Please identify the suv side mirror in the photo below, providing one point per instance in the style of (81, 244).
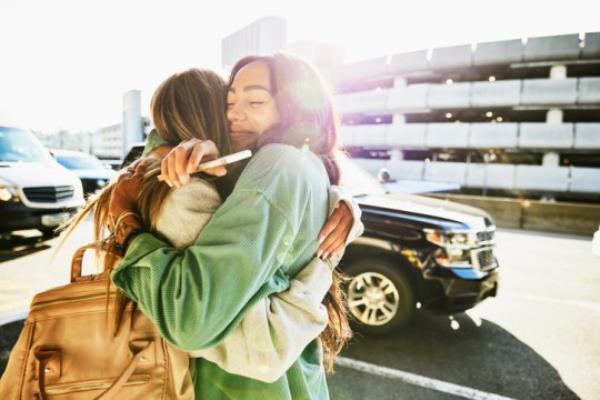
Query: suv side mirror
(384, 176)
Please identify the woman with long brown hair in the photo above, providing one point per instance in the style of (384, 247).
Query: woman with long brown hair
(277, 328)
(263, 234)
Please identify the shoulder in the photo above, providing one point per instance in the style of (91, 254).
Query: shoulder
(196, 195)
(286, 176)
(281, 160)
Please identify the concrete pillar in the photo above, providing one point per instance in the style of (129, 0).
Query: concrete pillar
(551, 159)
(554, 116)
(396, 155)
(133, 130)
(399, 119)
(399, 82)
(558, 72)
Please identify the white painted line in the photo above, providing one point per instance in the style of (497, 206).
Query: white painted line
(595, 307)
(418, 380)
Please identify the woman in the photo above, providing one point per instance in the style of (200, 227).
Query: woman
(275, 330)
(263, 234)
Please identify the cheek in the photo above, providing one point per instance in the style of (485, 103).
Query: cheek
(271, 118)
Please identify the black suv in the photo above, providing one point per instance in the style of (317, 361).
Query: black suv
(416, 252)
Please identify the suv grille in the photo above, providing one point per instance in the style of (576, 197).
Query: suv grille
(486, 259)
(485, 236)
(49, 194)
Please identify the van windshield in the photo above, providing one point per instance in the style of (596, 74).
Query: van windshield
(79, 161)
(18, 145)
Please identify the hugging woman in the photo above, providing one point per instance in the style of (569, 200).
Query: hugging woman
(259, 241)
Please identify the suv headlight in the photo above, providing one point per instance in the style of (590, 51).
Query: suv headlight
(455, 259)
(8, 193)
(451, 240)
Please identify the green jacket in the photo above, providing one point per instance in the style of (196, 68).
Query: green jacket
(263, 234)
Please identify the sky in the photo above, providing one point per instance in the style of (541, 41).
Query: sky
(65, 64)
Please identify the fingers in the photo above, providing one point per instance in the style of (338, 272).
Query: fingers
(140, 168)
(330, 225)
(335, 232)
(184, 159)
(181, 175)
(124, 194)
(217, 171)
(195, 158)
(333, 240)
(336, 248)
(171, 175)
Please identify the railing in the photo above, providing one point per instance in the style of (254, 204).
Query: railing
(526, 135)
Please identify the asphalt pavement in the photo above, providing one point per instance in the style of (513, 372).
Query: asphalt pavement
(539, 339)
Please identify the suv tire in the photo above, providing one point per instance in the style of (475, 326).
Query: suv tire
(391, 297)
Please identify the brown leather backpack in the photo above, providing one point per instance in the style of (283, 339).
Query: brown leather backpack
(67, 349)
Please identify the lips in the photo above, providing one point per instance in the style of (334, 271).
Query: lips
(240, 133)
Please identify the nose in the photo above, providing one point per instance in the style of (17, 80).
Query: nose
(233, 114)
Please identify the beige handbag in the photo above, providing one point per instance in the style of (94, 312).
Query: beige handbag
(67, 349)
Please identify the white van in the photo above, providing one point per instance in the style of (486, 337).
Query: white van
(36, 192)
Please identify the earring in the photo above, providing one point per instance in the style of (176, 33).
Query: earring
(306, 145)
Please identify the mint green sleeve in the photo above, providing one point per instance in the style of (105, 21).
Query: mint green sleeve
(152, 141)
(196, 295)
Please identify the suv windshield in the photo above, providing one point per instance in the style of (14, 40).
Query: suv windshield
(18, 145)
(356, 180)
(76, 161)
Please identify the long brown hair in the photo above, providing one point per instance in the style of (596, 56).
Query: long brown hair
(307, 116)
(189, 104)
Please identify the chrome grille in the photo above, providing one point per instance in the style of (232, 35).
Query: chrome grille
(49, 194)
(484, 259)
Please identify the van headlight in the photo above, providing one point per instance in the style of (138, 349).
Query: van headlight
(78, 189)
(451, 240)
(8, 193)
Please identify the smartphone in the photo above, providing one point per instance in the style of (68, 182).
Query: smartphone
(231, 158)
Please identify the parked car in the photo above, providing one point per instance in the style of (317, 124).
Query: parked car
(133, 154)
(415, 251)
(94, 175)
(36, 192)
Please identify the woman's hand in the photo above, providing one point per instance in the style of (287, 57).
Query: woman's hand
(332, 237)
(184, 159)
(122, 206)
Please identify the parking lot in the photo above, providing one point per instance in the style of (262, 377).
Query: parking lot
(539, 339)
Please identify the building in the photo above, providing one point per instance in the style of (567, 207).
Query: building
(108, 143)
(323, 55)
(264, 36)
(518, 117)
(114, 141)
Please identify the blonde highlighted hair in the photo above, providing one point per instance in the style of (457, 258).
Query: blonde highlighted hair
(187, 105)
(191, 104)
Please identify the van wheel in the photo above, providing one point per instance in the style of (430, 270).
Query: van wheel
(380, 297)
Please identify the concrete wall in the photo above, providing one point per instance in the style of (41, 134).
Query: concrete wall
(573, 218)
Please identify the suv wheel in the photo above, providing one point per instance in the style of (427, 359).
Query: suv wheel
(380, 297)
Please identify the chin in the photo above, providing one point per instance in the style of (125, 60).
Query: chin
(239, 145)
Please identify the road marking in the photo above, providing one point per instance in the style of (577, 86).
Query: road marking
(418, 380)
(576, 303)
